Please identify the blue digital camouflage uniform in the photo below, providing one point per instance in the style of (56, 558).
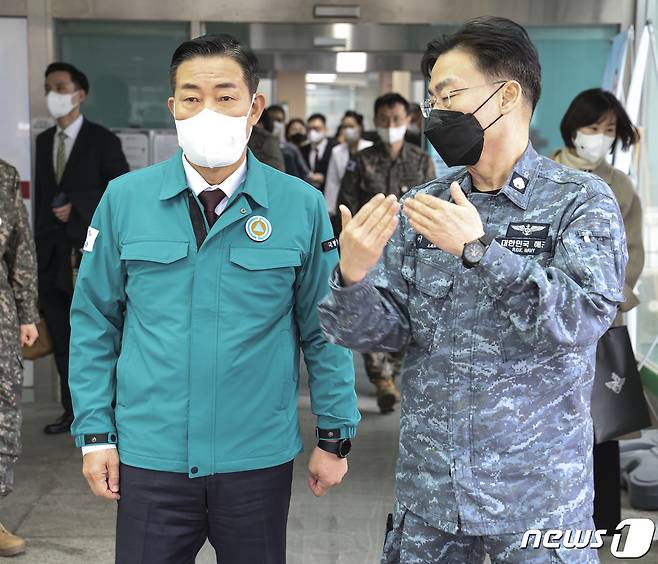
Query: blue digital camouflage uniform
(496, 434)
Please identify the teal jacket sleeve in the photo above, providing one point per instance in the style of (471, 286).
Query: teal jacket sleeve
(96, 326)
(330, 367)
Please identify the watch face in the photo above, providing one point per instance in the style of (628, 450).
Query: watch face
(344, 448)
(473, 252)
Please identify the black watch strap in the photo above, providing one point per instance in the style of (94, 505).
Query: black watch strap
(340, 448)
(330, 434)
(486, 240)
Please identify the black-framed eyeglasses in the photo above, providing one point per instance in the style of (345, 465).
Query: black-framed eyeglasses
(444, 102)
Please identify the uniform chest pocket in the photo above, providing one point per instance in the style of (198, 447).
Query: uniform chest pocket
(429, 308)
(160, 252)
(152, 269)
(255, 259)
(264, 276)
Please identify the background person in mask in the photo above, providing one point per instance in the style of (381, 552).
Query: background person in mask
(342, 157)
(265, 145)
(195, 270)
(278, 116)
(74, 162)
(295, 134)
(415, 129)
(317, 151)
(499, 279)
(594, 124)
(391, 166)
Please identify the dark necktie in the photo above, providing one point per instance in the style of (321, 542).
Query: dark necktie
(210, 200)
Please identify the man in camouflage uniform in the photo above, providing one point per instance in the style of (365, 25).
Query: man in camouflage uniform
(391, 166)
(18, 315)
(496, 435)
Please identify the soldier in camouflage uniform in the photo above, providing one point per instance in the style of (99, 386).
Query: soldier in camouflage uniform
(390, 166)
(496, 434)
(18, 315)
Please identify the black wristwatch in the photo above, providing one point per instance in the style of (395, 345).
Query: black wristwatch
(474, 251)
(340, 448)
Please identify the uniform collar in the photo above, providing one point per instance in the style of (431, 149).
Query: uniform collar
(197, 183)
(255, 185)
(521, 181)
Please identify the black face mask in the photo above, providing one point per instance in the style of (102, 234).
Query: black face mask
(456, 136)
(298, 138)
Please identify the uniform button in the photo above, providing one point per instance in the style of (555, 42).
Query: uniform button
(194, 470)
(243, 211)
(113, 438)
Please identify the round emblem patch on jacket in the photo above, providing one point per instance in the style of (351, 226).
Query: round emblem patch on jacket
(258, 228)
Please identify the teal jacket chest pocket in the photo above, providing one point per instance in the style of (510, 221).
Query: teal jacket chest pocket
(262, 278)
(154, 267)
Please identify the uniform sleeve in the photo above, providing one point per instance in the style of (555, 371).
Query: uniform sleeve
(96, 327)
(22, 262)
(330, 367)
(373, 315)
(332, 185)
(572, 302)
(350, 187)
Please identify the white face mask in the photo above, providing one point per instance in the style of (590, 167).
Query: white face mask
(351, 133)
(390, 135)
(315, 136)
(279, 129)
(211, 140)
(594, 147)
(60, 105)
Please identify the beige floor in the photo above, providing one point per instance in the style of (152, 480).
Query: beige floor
(64, 524)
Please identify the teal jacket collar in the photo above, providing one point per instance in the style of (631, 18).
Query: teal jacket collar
(174, 180)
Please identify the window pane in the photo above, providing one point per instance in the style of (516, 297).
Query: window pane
(128, 68)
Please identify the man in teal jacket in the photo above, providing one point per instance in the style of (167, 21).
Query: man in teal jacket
(199, 283)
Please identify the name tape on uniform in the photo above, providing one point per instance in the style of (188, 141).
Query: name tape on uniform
(330, 245)
(526, 246)
(423, 243)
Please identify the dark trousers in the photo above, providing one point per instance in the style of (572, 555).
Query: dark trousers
(607, 493)
(166, 517)
(56, 306)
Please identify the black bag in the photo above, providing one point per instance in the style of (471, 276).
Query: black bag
(618, 403)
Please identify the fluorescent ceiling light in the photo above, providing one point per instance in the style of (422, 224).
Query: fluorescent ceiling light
(331, 11)
(351, 62)
(321, 77)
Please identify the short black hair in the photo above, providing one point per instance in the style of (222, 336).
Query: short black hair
(292, 122)
(502, 50)
(321, 117)
(277, 108)
(391, 99)
(77, 76)
(356, 116)
(588, 108)
(217, 44)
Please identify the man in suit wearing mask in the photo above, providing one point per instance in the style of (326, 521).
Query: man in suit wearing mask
(75, 160)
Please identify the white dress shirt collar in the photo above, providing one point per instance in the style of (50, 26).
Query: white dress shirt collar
(197, 184)
(73, 129)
